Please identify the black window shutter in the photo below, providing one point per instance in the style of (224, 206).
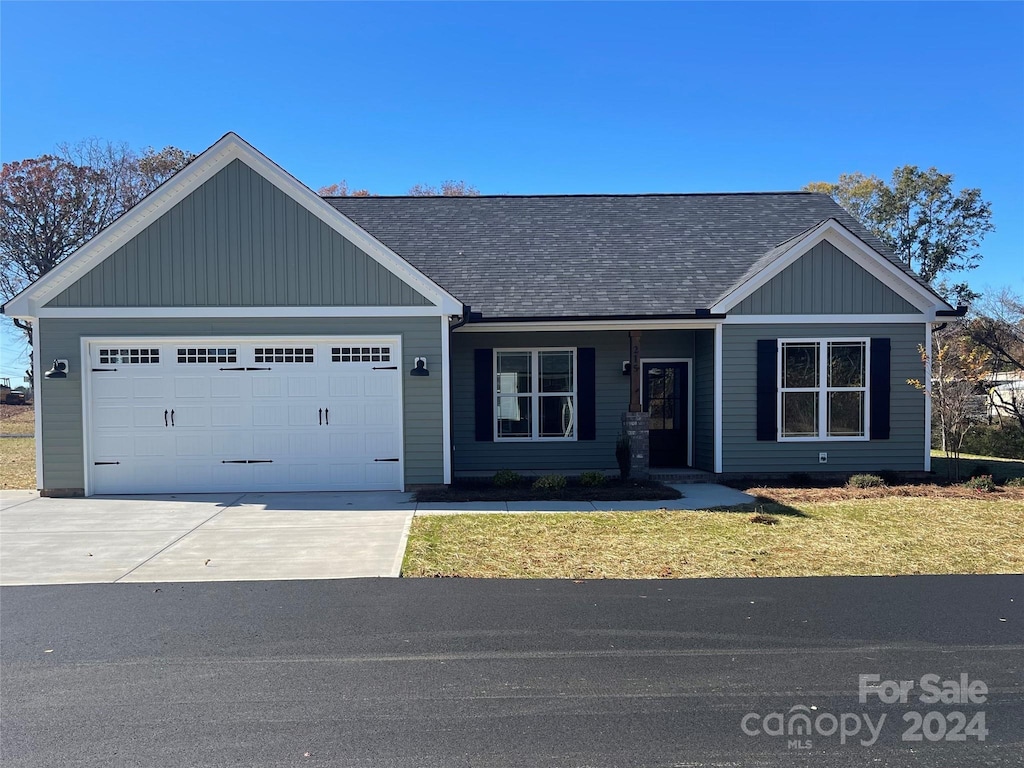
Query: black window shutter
(767, 389)
(880, 389)
(483, 372)
(586, 395)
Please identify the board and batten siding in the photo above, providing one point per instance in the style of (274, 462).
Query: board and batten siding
(62, 428)
(824, 281)
(238, 241)
(612, 390)
(743, 452)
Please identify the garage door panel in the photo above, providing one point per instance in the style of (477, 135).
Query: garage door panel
(310, 423)
(150, 387)
(192, 387)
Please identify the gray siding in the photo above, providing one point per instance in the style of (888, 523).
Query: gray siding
(238, 241)
(742, 452)
(824, 281)
(62, 413)
(612, 348)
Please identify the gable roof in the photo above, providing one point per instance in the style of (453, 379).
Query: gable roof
(515, 257)
(229, 148)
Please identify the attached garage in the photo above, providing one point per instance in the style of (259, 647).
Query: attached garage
(267, 414)
(235, 332)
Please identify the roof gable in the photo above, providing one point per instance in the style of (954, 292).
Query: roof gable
(218, 157)
(238, 241)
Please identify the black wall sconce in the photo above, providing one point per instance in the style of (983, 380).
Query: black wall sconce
(59, 370)
(421, 367)
(627, 368)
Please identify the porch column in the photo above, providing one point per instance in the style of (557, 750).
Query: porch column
(636, 422)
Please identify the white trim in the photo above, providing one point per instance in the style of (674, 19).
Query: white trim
(86, 343)
(853, 248)
(689, 396)
(170, 312)
(719, 383)
(230, 147)
(37, 401)
(928, 398)
(822, 390)
(535, 395)
(589, 325)
(446, 399)
(826, 319)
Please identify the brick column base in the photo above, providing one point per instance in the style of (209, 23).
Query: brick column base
(638, 426)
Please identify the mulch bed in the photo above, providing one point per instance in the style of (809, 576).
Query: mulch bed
(613, 490)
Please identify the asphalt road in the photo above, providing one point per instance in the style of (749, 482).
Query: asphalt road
(506, 673)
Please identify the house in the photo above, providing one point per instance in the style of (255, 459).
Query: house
(234, 331)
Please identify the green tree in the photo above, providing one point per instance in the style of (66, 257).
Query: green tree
(932, 228)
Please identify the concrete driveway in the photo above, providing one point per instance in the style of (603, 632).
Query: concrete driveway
(201, 537)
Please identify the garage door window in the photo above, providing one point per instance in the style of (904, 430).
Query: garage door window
(284, 354)
(129, 356)
(361, 354)
(207, 355)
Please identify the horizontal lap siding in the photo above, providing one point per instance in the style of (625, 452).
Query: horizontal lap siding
(824, 281)
(238, 241)
(742, 451)
(704, 401)
(62, 412)
(611, 348)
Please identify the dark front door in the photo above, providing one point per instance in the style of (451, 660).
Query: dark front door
(666, 398)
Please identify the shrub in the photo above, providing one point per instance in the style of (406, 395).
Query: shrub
(1015, 482)
(1006, 442)
(865, 481)
(506, 478)
(981, 483)
(549, 483)
(624, 456)
(592, 479)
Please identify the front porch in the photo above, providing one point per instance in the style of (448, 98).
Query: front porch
(503, 416)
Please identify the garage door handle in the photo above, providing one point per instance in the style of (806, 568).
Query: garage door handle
(103, 463)
(327, 416)
(385, 367)
(258, 369)
(321, 414)
(386, 459)
(172, 417)
(231, 369)
(165, 418)
(104, 370)
(248, 461)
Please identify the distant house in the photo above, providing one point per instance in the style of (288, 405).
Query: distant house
(234, 331)
(1005, 395)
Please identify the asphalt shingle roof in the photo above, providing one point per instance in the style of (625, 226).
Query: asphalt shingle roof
(592, 255)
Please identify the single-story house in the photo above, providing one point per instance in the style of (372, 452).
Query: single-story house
(235, 331)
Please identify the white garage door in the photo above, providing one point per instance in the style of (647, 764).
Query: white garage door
(244, 415)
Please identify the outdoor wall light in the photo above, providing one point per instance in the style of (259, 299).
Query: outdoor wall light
(59, 370)
(421, 367)
(626, 368)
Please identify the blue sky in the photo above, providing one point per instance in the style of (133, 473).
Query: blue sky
(540, 98)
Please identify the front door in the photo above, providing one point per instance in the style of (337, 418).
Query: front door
(666, 399)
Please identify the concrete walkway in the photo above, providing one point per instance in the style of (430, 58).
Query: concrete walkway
(243, 536)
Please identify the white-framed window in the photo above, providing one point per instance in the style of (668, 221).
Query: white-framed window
(823, 389)
(535, 394)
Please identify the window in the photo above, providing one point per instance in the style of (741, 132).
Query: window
(129, 356)
(823, 390)
(536, 394)
(360, 354)
(207, 355)
(284, 354)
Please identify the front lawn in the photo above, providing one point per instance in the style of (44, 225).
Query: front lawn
(854, 536)
(1000, 469)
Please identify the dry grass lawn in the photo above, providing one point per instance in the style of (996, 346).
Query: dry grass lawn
(17, 419)
(17, 463)
(867, 536)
